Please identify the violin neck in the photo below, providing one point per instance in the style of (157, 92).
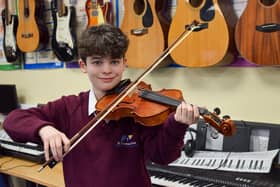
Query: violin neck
(158, 98)
(162, 99)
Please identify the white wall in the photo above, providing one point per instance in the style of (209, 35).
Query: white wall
(243, 93)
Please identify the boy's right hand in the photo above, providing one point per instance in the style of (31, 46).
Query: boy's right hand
(54, 141)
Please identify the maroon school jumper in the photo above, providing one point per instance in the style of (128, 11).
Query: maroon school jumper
(111, 155)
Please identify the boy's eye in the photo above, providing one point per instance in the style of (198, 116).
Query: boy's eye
(115, 61)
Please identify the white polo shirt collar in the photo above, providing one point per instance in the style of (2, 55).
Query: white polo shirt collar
(91, 102)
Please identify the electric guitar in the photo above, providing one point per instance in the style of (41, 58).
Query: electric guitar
(10, 23)
(32, 34)
(107, 11)
(64, 37)
(257, 33)
(202, 48)
(141, 25)
(98, 14)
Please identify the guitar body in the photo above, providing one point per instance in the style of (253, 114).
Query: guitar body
(32, 33)
(107, 12)
(141, 25)
(257, 33)
(11, 50)
(94, 13)
(203, 48)
(64, 37)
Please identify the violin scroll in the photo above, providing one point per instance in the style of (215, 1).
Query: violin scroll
(228, 128)
(225, 125)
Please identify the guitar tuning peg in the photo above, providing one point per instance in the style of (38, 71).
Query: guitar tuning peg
(217, 111)
(225, 117)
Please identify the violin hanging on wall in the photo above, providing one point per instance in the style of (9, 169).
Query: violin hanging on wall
(64, 37)
(141, 25)
(10, 23)
(257, 33)
(32, 33)
(204, 48)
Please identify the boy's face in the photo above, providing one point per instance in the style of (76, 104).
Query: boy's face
(103, 72)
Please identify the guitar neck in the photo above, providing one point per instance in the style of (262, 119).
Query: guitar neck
(26, 8)
(61, 7)
(7, 13)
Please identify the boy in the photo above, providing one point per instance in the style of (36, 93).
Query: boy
(115, 152)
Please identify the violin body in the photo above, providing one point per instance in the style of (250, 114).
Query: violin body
(138, 108)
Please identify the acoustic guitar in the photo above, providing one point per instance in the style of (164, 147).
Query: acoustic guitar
(98, 13)
(141, 25)
(32, 34)
(10, 23)
(257, 33)
(203, 48)
(64, 35)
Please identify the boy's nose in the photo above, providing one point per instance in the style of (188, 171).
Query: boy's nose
(107, 68)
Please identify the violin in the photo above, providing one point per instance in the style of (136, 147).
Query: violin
(116, 101)
(151, 108)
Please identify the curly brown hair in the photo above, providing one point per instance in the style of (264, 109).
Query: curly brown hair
(102, 40)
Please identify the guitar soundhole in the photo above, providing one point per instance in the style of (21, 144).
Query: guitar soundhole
(139, 6)
(268, 2)
(196, 3)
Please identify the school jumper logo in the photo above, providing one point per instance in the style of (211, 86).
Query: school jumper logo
(126, 141)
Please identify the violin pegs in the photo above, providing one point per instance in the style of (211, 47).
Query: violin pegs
(225, 117)
(217, 111)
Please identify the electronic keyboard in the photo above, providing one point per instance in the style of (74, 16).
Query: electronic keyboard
(252, 162)
(175, 176)
(29, 151)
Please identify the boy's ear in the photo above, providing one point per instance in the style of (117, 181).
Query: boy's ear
(82, 66)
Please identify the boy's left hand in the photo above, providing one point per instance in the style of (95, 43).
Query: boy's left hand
(187, 113)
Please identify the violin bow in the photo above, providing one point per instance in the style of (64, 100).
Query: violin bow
(193, 27)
